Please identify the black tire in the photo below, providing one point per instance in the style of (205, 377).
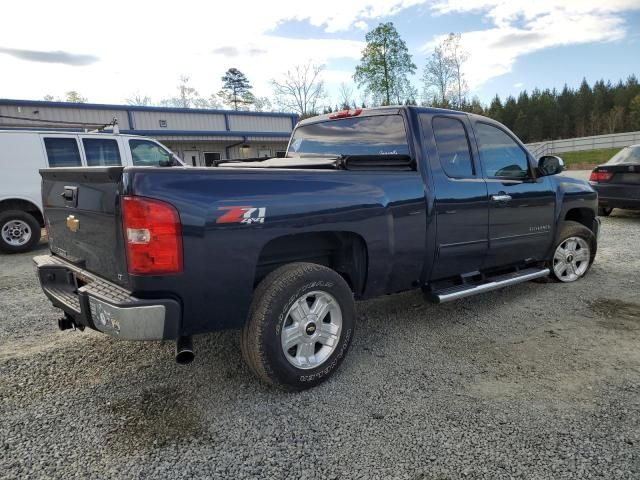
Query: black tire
(260, 339)
(574, 229)
(604, 211)
(33, 224)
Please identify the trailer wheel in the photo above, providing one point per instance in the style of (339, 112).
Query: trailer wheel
(19, 231)
(300, 326)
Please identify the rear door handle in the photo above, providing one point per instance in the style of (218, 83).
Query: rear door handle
(503, 197)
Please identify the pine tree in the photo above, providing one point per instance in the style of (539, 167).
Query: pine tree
(236, 89)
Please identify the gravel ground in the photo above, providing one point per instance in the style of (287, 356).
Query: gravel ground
(539, 380)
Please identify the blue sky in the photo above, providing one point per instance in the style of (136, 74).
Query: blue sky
(513, 44)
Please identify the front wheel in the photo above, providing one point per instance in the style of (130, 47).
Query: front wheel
(300, 326)
(574, 252)
(19, 231)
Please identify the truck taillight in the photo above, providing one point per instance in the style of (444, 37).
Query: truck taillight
(600, 176)
(153, 237)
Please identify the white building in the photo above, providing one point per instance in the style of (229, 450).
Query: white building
(198, 136)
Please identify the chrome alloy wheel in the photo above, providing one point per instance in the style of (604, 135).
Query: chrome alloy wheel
(311, 330)
(16, 233)
(571, 259)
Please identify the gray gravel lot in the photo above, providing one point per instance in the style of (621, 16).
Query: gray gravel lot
(540, 380)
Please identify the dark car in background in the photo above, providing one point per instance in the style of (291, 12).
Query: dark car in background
(618, 181)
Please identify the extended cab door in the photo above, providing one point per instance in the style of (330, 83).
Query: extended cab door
(461, 202)
(522, 205)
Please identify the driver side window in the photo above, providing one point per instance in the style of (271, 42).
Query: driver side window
(500, 155)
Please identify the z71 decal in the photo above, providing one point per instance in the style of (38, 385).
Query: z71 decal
(245, 214)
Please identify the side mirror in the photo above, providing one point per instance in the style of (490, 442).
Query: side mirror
(550, 165)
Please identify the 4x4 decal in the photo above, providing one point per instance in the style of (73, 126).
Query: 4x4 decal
(242, 214)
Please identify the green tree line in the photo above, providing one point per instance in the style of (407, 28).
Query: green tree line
(550, 114)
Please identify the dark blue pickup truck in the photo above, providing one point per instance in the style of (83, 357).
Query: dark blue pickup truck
(365, 203)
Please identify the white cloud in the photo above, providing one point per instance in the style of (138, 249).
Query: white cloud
(526, 26)
(145, 46)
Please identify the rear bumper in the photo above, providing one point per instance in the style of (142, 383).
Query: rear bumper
(104, 306)
(618, 195)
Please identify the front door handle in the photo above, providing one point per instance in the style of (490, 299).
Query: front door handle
(502, 197)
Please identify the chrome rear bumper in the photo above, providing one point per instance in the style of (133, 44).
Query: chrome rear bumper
(104, 306)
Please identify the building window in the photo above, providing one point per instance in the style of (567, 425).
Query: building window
(62, 152)
(211, 159)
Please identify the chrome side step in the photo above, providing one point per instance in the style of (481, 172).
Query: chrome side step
(460, 291)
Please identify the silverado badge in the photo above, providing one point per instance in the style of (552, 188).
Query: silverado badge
(73, 223)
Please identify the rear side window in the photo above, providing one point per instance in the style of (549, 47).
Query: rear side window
(148, 154)
(453, 147)
(101, 152)
(375, 135)
(62, 152)
(500, 155)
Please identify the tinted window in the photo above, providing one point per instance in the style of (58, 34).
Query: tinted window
(453, 147)
(101, 152)
(500, 155)
(377, 135)
(62, 152)
(146, 153)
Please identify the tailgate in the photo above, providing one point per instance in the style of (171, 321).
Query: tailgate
(82, 218)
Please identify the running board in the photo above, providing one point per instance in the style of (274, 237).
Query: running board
(461, 291)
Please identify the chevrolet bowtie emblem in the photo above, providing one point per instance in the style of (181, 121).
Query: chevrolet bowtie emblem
(73, 223)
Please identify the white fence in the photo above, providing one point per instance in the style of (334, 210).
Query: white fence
(584, 143)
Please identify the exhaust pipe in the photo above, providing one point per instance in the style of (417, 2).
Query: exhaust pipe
(184, 350)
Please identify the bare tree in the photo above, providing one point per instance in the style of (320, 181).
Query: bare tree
(444, 73)
(300, 89)
(138, 99)
(614, 118)
(262, 104)
(457, 56)
(439, 75)
(187, 95)
(345, 93)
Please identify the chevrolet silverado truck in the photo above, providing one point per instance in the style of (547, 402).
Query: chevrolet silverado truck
(365, 203)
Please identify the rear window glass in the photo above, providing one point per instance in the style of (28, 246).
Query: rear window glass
(146, 153)
(375, 135)
(626, 155)
(101, 152)
(62, 152)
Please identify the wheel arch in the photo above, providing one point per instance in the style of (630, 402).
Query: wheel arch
(342, 251)
(24, 205)
(582, 215)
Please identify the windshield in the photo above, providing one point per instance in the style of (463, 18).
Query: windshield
(626, 155)
(374, 135)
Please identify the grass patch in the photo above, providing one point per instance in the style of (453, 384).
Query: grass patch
(588, 157)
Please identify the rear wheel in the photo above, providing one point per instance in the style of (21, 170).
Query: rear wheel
(19, 231)
(574, 252)
(300, 326)
(604, 211)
